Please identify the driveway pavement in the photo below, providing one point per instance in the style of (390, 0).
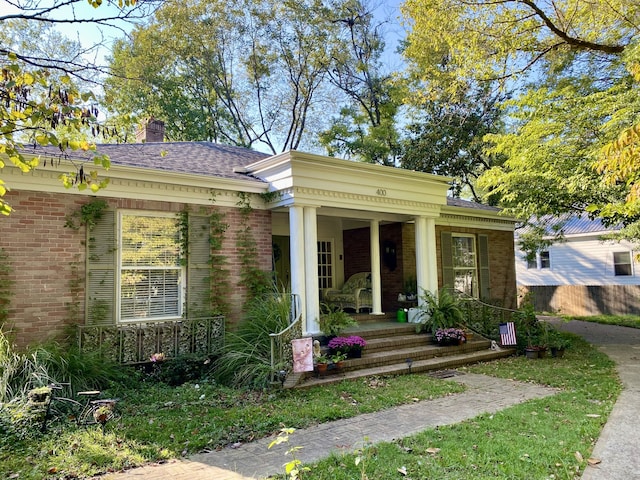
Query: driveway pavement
(618, 447)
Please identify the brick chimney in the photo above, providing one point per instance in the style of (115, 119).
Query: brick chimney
(152, 131)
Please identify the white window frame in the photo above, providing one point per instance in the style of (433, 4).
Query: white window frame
(630, 263)
(546, 253)
(328, 280)
(119, 269)
(457, 268)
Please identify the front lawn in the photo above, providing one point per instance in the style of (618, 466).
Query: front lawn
(160, 422)
(540, 439)
(550, 438)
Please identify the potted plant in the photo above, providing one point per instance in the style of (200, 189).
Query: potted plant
(352, 346)
(322, 363)
(338, 359)
(450, 336)
(333, 320)
(439, 310)
(411, 289)
(558, 343)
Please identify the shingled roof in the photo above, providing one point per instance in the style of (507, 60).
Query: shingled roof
(200, 158)
(458, 202)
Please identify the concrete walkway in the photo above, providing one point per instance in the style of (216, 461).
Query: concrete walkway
(618, 446)
(255, 460)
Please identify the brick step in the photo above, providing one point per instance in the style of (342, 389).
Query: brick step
(417, 366)
(401, 352)
(390, 343)
(380, 329)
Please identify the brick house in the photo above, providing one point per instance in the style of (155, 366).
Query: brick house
(313, 220)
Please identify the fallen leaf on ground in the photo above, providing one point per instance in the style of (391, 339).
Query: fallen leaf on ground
(579, 457)
(402, 470)
(592, 415)
(433, 450)
(593, 461)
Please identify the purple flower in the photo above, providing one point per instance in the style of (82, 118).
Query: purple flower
(345, 344)
(449, 334)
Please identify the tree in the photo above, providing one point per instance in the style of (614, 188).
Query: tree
(570, 61)
(242, 73)
(366, 128)
(446, 139)
(39, 101)
(452, 41)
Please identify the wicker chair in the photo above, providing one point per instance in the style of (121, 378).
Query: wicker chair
(355, 293)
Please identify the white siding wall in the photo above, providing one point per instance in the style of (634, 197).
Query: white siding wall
(583, 260)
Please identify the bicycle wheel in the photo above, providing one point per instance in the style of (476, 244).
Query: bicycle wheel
(98, 412)
(62, 411)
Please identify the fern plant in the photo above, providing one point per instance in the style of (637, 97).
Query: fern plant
(440, 310)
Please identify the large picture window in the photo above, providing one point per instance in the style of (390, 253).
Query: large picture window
(465, 265)
(151, 274)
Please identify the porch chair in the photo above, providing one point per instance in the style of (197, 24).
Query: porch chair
(355, 293)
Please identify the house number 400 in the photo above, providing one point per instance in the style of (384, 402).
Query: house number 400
(382, 192)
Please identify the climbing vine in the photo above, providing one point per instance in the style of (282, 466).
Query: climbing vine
(220, 287)
(217, 292)
(87, 215)
(5, 287)
(254, 279)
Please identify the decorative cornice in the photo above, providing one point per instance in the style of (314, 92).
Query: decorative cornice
(492, 223)
(319, 197)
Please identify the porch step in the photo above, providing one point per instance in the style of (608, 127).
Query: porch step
(426, 365)
(394, 348)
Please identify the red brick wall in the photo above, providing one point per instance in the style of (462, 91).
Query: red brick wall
(46, 258)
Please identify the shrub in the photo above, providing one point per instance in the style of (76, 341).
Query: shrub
(178, 370)
(246, 357)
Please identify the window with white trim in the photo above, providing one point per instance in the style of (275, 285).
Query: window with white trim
(541, 260)
(465, 265)
(545, 259)
(622, 265)
(151, 275)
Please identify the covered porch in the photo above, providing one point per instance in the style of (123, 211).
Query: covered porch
(333, 218)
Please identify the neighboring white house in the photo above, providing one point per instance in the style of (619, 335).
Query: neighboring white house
(582, 274)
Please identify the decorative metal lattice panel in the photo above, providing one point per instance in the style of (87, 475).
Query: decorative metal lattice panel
(136, 343)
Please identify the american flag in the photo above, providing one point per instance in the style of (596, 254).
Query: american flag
(508, 334)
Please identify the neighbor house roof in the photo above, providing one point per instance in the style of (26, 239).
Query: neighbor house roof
(579, 224)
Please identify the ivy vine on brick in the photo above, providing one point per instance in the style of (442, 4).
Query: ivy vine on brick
(252, 277)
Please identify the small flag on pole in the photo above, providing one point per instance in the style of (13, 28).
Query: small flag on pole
(508, 334)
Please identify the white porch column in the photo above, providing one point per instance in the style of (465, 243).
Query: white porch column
(296, 251)
(426, 261)
(376, 282)
(312, 288)
(432, 255)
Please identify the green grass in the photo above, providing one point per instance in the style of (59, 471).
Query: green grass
(632, 321)
(160, 422)
(534, 440)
